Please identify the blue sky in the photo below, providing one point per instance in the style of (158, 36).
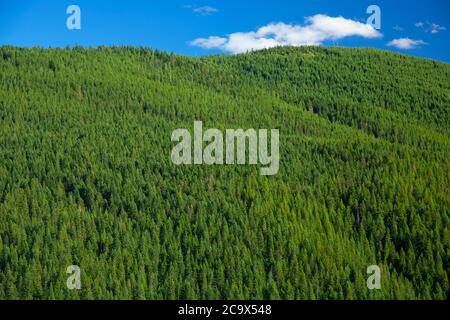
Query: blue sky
(419, 27)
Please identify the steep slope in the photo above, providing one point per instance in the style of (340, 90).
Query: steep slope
(86, 175)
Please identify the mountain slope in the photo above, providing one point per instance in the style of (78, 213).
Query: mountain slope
(87, 179)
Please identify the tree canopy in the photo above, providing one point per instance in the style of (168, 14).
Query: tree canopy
(86, 176)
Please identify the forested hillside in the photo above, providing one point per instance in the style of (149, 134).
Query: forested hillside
(86, 176)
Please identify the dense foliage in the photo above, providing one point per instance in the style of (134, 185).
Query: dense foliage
(86, 176)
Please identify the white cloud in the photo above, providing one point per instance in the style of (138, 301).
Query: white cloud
(317, 29)
(430, 27)
(435, 28)
(398, 28)
(406, 43)
(204, 10)
(210, 43)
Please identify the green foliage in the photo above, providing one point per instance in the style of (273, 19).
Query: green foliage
(86, 176)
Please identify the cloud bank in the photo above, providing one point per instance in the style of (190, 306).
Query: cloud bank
(406, 43)
(317, 29)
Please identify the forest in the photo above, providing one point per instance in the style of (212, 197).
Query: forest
(86, 176)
